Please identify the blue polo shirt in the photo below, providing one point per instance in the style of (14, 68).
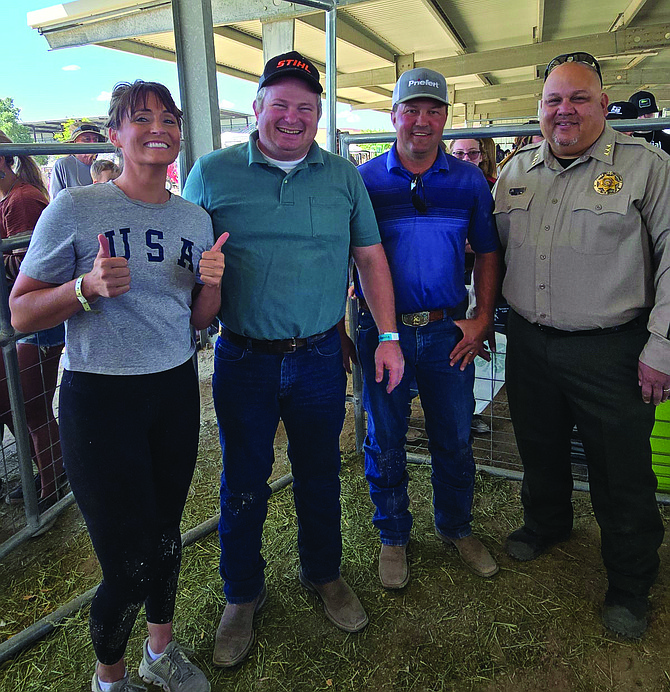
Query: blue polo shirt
(290, 235)
(426, 251)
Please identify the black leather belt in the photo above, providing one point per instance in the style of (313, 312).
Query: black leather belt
(275, 346)
(639, 320)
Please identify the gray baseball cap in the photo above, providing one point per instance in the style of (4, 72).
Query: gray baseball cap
(420, 83)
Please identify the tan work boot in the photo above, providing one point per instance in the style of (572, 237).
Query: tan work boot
(235, 634)
(340, 603)
(393, 567)
(473, 553)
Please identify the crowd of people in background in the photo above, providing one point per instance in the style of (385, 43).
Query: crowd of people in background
(576, 219)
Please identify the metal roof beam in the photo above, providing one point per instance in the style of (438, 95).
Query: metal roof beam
(538, 30)
(656, 37)
(239, 37)
(79, 28)
(440, 15)
(354, 35)
(628, 15)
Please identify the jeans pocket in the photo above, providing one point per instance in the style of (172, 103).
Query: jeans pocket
(227, 351)
(330, 346)
(365, 321)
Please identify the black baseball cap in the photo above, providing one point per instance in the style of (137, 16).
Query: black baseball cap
(621, 110)
(644, 101)
(291, 64)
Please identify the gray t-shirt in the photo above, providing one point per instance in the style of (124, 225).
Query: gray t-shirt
(69, 172)
(147, 329)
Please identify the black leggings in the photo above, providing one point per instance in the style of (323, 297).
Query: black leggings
(130, 444)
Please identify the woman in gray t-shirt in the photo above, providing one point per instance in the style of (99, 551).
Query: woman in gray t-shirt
(130, 268)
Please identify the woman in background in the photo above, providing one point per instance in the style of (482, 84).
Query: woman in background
(23, 198)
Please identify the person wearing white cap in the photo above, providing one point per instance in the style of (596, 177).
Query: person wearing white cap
(427, 204)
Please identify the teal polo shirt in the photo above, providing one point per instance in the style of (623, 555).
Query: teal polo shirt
(290, 234)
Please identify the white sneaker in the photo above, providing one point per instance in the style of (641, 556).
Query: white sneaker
(172, 670)
(122, 685)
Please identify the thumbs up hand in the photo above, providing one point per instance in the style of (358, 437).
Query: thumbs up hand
(110, 276)
(212, 263)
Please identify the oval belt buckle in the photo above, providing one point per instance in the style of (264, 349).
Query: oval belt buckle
(417, 319)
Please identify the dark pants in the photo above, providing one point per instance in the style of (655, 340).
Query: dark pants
(252, 392)
(556, 381)
(130, 444)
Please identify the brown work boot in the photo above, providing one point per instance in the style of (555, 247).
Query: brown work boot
(393, 568)
(340, 603)
(235, 634)
(473, 553)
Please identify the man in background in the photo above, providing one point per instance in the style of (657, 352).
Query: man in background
(75, 170)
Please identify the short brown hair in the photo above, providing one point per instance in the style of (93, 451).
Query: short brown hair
(127, 98)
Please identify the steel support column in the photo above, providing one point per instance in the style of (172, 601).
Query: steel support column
(196, 69)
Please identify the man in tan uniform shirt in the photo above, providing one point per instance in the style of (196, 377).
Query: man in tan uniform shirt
(584, 218)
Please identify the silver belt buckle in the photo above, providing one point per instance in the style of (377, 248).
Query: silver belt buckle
(416, 319)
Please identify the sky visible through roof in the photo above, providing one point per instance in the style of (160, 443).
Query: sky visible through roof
(77, 82)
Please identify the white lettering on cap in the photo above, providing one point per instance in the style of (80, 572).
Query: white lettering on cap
(422, 82)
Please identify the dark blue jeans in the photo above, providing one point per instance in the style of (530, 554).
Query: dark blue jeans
(448, 403)
(252, 392)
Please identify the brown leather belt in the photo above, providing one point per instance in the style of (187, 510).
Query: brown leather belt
(421, 319)
(275, 346)
(417, 319)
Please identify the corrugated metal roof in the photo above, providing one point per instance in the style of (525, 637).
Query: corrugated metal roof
(487, 48)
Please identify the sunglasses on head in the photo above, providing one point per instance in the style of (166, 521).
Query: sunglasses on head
(416, 193)
(583, 58)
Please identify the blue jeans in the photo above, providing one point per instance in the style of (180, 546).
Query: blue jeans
(252, 392)
(448, 403)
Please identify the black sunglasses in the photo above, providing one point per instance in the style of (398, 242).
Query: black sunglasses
(417, 194)
(584, 58)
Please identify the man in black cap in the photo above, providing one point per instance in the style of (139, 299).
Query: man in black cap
(621, 110)
(293, 212)
(645, 103)
(75, 170)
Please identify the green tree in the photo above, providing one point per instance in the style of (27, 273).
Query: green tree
(13, 128)
(68, 126)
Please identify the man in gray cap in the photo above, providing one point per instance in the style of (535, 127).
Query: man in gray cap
(645, 104)
(427, 205)
(75, 170)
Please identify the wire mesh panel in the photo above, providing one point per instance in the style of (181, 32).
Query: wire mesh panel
(38, 366)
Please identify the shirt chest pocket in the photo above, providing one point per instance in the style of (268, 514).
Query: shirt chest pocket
(512, 217)
(597, 223)
(329, 218)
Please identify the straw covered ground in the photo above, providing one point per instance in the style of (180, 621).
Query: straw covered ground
(532, 627)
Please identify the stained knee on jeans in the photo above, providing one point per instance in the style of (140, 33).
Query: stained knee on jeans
(237, 504)
(391, 465)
